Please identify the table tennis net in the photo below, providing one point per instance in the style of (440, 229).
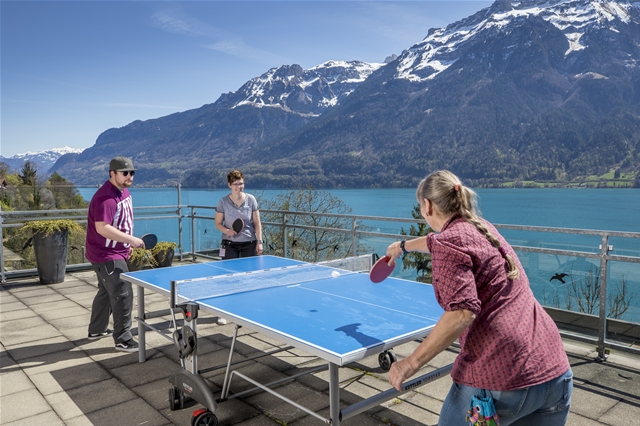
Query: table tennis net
(361, 263)
(222, 285)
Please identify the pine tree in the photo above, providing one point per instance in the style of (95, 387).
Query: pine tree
(421, 262)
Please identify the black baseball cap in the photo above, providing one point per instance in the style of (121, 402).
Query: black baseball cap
(121, 164)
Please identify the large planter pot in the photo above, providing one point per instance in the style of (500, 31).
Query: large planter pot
(51, 256)
(165, 258)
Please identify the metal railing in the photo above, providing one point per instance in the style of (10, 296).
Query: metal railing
(357, 233)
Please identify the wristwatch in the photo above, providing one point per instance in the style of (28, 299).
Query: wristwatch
(404, 250)
(259, 241)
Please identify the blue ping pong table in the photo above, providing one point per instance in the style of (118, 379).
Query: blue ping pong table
(335, 314)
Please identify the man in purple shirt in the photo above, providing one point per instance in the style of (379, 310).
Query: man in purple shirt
(109, 242)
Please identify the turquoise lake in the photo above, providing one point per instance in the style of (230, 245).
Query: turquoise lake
(596, 209)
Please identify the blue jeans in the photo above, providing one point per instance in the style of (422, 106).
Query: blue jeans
(544, 404)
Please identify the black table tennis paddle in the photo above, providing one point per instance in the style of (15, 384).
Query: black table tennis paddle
(149, 240)
(238, 225)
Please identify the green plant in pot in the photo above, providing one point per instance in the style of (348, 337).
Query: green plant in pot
(163, 252)
(141, 259)
(50, 246)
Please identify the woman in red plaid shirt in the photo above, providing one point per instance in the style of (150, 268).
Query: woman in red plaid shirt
(511, 349)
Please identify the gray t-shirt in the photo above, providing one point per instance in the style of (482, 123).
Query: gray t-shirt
(244, 212)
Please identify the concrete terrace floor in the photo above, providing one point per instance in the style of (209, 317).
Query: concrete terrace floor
(50, 374)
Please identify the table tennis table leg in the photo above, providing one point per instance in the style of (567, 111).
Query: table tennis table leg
(334, 394)
(142, 353)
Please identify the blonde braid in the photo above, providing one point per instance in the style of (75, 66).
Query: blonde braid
(445, 190)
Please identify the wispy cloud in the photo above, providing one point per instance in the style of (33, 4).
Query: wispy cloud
(175, 20)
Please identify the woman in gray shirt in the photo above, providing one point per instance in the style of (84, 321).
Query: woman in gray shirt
(239, 205)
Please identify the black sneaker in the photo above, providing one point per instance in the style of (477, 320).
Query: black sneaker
(128, 346)
(94, 336)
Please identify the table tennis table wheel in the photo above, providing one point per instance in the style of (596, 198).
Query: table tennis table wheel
(204, 418)
(385, 359)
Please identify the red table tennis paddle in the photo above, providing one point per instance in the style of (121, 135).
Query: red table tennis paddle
(381, 270)
(149, 240)
(238, 225)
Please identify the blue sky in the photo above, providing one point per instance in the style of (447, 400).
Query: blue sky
(73, 69)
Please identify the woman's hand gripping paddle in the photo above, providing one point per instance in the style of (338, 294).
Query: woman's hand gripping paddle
(149, 240)
(237, 226)
(381, 270)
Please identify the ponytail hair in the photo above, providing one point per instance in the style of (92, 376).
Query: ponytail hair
(446, 192)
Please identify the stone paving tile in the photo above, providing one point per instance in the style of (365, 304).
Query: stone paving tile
(33, 302)
(229, 412)
(130, 412)
(79, 288)
(133, 375)
(14, 406)
(363, 419)
(54, 361)
(17, 325)
(31, 290)
(261, 420)
(92, 397)
(417, 407)
(622, 380)
(584, 403)
(14, 306)
(67, 323)
(67, 312)
(84, 299)
(311, 380)
(70, 378)
(254, 371)
(38, 348)
(78, 335)
(48, 418)
(357, 390)
(622, 413)
(155, 393)
(7, 364)
(578, 420)
(51, 306)
(284, 412)
(14, 382)
(6, 298)
(32, 334)
(15, 314)
(110, 359)
(78, 421)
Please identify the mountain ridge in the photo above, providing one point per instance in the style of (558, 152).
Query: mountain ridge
(523, 89)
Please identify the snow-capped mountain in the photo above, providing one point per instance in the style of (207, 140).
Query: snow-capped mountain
(521, 90)
(43, 159)
(573, 18)
(310, 91)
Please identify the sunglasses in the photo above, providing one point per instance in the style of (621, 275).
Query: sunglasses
(127, 172)
(238, 184)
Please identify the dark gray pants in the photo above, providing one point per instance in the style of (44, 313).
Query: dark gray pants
(114, 296)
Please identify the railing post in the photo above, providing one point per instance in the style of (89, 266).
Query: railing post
(284, 235)
(193, 234)
(602, 323)
(354, 236)
(2, 276)
(180, 220)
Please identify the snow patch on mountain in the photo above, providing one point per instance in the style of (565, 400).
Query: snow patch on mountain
(437, 51)
(308, 92)
(43, 159)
